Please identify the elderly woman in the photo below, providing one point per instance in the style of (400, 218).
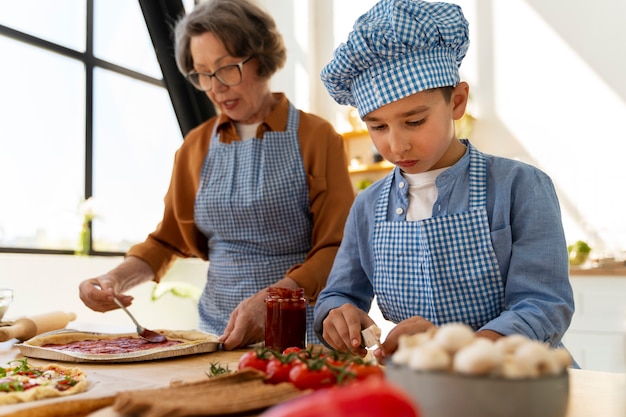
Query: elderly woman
(261, 190)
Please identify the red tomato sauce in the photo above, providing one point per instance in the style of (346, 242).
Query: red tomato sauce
(285, 319)
(111, 346)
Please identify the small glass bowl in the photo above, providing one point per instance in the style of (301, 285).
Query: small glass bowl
(6, 298)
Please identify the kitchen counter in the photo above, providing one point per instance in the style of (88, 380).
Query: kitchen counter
(592, 393)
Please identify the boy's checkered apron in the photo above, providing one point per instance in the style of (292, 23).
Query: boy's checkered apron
(441, 268)
(253, 206)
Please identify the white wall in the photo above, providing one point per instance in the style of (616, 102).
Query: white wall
(46, 283)
(547, 87)
(597, 333)
(550, 91)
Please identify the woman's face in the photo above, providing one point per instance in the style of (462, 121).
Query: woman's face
(417, 132)
(247, 102)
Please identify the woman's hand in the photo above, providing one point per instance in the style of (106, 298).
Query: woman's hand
(342, 328)
(247, 323)
(97, 293)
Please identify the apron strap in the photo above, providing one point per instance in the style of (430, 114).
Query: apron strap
(380, 212)
(477, 178)
(293, 120)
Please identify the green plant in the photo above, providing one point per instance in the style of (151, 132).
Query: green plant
(87, 212)
(578, 252)
(177, 288)
(363, 184)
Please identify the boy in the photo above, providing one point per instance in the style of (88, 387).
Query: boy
(452, 234)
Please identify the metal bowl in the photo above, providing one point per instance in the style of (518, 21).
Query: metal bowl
(443, 394)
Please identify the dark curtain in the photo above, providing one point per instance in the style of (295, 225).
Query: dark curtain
(191, 106)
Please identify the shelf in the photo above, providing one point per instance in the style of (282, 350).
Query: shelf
(361, 154)
(366, 168)
(362, 134)
(617, 269)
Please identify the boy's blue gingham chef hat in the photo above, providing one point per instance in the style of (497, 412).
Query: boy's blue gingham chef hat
(396, 49)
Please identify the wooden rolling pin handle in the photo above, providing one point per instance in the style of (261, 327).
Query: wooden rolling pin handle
(52, 321)
(21, 329)
(28, 327)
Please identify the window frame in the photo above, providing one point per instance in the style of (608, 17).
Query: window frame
(191, 107)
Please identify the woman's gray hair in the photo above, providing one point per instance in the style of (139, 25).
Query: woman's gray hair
(242, 25)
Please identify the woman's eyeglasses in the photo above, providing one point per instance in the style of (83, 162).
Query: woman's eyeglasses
(229, 75)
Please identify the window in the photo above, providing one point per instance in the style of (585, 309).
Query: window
(84, 113)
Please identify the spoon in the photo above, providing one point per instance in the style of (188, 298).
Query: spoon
(149, 335)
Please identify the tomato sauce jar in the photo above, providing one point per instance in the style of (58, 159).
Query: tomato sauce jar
(285, 318)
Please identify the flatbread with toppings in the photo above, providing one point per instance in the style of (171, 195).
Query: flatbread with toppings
(76, 346)
(110, 345)
(21, 381)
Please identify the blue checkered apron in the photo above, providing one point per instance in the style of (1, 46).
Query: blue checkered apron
(253, 207)
(441, 268)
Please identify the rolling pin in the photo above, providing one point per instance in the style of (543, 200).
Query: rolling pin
(27, 327)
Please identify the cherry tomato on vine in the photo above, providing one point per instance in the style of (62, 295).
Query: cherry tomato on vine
(254, 359)
(294, 349)
(364, 370)
(303, 377)
(278, 370)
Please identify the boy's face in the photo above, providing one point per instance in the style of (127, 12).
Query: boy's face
(416, 133)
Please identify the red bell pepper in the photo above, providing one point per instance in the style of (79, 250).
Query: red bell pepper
(372, 397)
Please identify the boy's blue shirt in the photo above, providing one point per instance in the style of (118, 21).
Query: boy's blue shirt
(526, 232)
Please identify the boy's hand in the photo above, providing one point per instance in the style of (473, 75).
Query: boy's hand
(342, 328)
(413, 325)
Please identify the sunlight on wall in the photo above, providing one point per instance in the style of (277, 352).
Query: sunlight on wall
(566, 118)
(537, 90)
(301, 32)
(542, 78)
(344, 15)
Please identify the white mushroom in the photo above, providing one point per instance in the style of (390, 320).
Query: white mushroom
(413, 340)
(509, 344)
(371, 336)
(563, 357)
(511, 369)
(536, 359)
(406, 344)
(429, 357)
(454, 336)
(403, 353)
(401, 356)
(455, 347)
(479, 358)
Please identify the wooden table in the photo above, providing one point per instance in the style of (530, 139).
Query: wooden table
(592, 393)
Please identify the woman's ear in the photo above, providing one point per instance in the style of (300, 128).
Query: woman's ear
(459, 98)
